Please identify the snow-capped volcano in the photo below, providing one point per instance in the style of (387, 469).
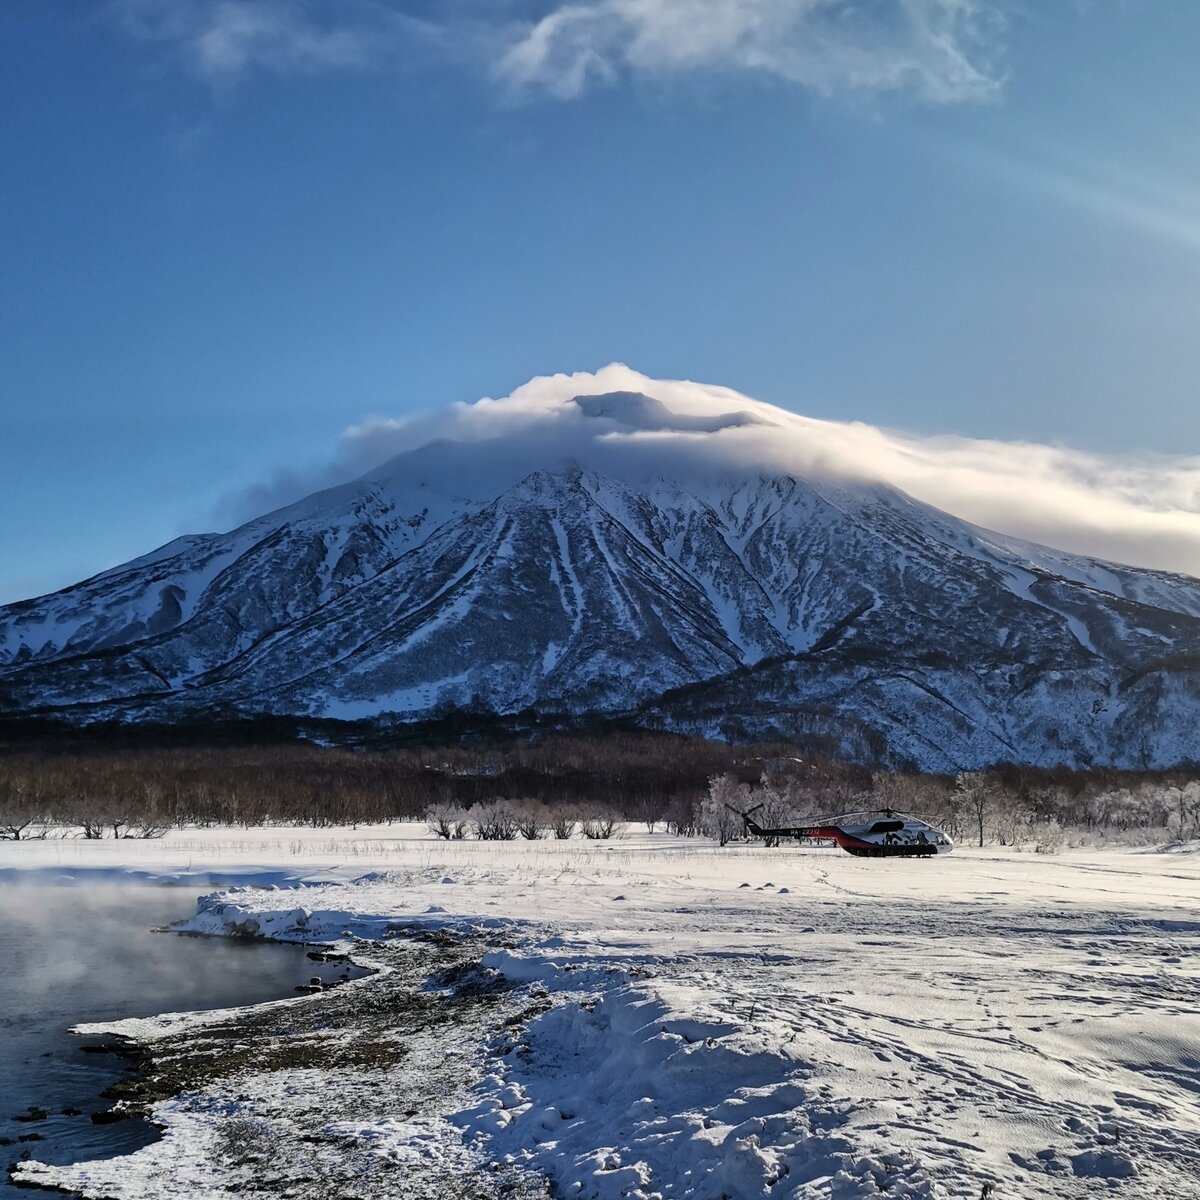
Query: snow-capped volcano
(631, 559)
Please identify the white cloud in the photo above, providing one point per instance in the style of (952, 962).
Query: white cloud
(221, 40)
(937, 50)
(1135, 509)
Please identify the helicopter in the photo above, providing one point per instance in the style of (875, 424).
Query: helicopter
(882, 833)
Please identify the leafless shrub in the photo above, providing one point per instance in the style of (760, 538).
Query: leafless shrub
(494, 822)
(532, 820)
(599, 825)
(447, 821)
(17, 828)
(562, 822)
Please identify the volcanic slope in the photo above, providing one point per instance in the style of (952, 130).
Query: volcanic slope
(680, 593)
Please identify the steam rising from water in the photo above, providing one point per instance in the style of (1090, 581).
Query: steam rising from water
(86, 953)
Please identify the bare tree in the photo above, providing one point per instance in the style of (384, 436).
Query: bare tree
(651, 810)
(15, 827)
(495, 822)
(774, 803)
(683, 816)
(21, 807)
(972, 787)
(531, 820)
(599, 825)
(437, 818)
(562, 822)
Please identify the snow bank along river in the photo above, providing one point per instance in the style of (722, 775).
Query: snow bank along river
(88, 952)
(657, 1019)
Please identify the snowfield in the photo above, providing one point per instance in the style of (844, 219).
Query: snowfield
(728, 1022)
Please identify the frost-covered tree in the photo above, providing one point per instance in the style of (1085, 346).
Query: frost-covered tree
(532, 819)
(1183, 804)
(775, 803)
(973, 790)
(903, 793)
(1050, 838)
(1012, 820)
(447, 821)
(720, 810)
(494, 822)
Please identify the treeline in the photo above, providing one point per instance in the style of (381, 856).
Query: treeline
(1007, 805)
(62, 787)
(135, 790)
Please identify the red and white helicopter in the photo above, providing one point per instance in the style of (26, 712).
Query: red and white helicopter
(882, 833)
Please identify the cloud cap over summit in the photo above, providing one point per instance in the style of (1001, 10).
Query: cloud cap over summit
(1141, 509)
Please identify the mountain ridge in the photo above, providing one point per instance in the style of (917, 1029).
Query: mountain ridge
(718, 599)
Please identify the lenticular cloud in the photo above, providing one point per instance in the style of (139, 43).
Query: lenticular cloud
(1144, 511)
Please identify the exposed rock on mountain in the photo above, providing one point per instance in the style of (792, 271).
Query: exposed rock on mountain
(679, 588)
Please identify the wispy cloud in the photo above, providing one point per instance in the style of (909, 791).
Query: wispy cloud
(1138, 509)
(937, 50)
(222, 40)
(1143, 201)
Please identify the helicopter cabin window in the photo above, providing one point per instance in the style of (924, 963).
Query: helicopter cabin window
(886, 827)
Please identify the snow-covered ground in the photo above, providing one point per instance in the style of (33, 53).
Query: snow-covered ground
(743, 1022)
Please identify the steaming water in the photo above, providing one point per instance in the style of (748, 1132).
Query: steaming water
(87, 953)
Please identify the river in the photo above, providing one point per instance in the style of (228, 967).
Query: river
(88, 953)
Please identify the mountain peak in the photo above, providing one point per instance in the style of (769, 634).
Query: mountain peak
(671, 589)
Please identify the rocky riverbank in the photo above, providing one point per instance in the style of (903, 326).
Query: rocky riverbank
(287, 1098)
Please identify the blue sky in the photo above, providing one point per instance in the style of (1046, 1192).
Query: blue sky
(231, 228)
